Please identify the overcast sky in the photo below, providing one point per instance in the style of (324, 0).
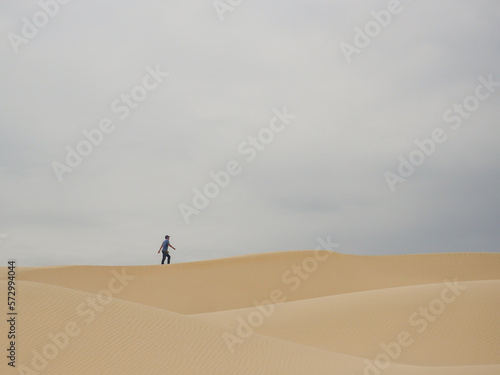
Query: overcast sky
(355, 107)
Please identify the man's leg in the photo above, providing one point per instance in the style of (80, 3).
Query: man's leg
(168, 255)
(164, 256)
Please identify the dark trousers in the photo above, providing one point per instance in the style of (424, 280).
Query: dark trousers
(165, 255)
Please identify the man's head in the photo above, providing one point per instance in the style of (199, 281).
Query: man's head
(167, 237)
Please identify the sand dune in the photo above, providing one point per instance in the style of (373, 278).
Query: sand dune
(336, 314)
(231, 283)
(351, 323)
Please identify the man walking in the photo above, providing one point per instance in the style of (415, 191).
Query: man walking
(164, 249)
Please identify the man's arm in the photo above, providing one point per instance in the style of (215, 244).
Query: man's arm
(160, 248)
(171, 246)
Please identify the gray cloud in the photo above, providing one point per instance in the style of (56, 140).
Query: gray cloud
(323, 175)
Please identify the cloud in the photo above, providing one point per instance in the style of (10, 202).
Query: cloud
(323, 176)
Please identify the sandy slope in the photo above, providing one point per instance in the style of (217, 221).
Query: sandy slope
(232, 283)
(336, 313)
(352, 323)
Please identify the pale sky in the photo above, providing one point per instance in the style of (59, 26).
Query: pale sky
(204, 81)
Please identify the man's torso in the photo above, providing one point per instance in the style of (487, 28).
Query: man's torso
(165, 245)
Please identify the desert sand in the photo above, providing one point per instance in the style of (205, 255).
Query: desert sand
(298, 312)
